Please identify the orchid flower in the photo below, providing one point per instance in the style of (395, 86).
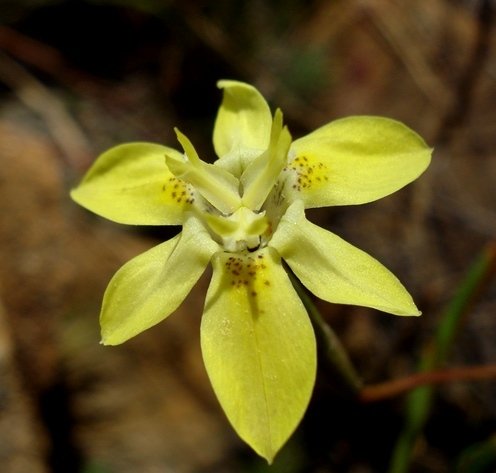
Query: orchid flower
(245, 214)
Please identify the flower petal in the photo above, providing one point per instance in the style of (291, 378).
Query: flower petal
(151, 286)
(258, 347)
(243, 121)
(355, 160)
(335, 270)
(131, 184)
(259, 177)
(215, 184)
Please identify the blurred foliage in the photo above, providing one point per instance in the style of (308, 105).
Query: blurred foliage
(419, 401)
(478, 458)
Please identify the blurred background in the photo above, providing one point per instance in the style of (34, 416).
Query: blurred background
(77, 77)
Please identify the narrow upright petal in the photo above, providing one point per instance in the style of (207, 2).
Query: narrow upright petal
(354, 160)
(131, 184)
(215, 184)
(336, 271)
(151, 286)
(243, 120)
(258, 347)
(263, 172)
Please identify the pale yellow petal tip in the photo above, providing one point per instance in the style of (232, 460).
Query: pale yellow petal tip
(184, 141)
(226, 83)
(268, 456)
(106, 343)
(74, 194)
(410, 312)
(80, 196)
(413, 314)
(178, 133)
(414, 311)
(109, 341)
(405, 310)
(270, 459)
(223, 83)
(278, 116)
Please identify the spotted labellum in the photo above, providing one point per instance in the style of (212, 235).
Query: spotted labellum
(244, 214)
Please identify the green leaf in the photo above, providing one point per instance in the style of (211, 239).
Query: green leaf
(151, 286)
(131, 184)
(335, 270)
(478, 458)
(355, 160)
(258, 347)
(243, 121)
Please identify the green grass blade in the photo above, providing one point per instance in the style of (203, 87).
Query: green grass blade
(419, 401)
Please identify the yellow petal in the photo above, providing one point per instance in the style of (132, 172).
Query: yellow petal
(258, 347)
(336, 271)
(131, 184)
(243, 121)
(354, 160)
(215, 184)
(263, 172)
(151, 286)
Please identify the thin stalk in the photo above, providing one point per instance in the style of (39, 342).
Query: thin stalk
(388, 389)
(331, 348)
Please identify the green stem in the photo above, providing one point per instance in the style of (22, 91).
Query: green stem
(332, 349)
(419, 401)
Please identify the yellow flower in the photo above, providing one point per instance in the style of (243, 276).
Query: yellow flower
(244, 214)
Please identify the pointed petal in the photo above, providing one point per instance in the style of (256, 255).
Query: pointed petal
(243, 120)
(215, 184)
(258, 347)
(355, 160)
(263, 172)
(151, 286)
(131, 184)
(336, 271)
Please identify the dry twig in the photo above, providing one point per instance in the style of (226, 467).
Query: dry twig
(66, 133)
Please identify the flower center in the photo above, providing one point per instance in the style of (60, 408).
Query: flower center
(232, 206)
(240, 231)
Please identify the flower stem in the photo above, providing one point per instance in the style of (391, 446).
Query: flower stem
(388, 389)
(331, 348)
